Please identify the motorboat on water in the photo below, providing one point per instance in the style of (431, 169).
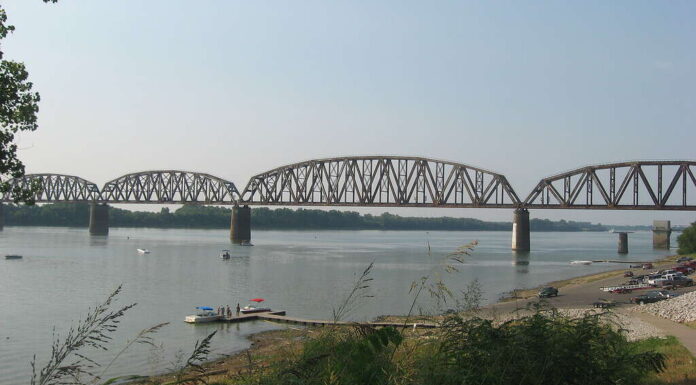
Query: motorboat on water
(246, 243)
(143, 251)
(205, 314)
(251, 308)
(580, 262)
(13, 256)
(225, 254)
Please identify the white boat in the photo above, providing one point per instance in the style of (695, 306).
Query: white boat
(225, 254)
(253, 309)
(205, 314)
(143, 251)
(246, 243)
(580, 262)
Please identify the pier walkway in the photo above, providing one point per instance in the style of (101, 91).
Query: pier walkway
(279, 316)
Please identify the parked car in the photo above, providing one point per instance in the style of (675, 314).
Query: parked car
(679, 281)
(548, 291)
(684, 259)
(647, 266)
(628, 274)
(684, 269)
(652, 296)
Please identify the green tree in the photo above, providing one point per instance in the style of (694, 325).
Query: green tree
(687, 240)
(18, 111)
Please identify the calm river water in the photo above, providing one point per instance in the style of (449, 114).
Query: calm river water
(307, 273)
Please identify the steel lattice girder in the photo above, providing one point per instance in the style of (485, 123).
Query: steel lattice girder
(380, 181)
(170, 186)
(54, 188)
(641, 185)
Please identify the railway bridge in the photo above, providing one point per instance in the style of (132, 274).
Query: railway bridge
(382, 181)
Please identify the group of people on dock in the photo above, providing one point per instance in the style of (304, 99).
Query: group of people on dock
(223, 311)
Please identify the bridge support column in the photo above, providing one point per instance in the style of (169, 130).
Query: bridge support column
(520, 230)
(661, 233)
(2, 216)
(240, 227)
(98, 219)
(623, 243)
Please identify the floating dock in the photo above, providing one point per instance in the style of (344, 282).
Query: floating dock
(279, 316)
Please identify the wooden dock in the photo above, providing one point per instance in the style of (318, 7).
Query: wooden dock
(279, 316)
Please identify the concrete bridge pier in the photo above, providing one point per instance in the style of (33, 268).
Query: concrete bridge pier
(98, 219)
(520, 230)
(623, 243)
(661, 233)
(240, 226)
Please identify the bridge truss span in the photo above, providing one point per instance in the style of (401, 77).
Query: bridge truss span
(380, 181)
(170, 186)
(45, 188)
(641, 185)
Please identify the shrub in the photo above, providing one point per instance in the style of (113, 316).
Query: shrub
(687, 240)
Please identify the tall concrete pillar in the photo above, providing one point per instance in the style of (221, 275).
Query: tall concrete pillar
(98, 219)
(2, 216)
(240, 227)
(661, 233)
(623, 243)
(520, 230)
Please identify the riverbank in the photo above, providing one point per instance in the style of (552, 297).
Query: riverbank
(575, 298)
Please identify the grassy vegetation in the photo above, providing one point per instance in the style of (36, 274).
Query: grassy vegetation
(544, 348)
(680, 363)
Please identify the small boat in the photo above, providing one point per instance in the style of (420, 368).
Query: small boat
(205, 314)
(13, 256)
(248, 309)
(246, 243)
(143, 251)
(580, 262)
(225, 254)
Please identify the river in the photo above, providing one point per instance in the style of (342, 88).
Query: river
(307, 273)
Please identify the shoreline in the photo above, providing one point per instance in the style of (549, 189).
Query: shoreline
(272, 342)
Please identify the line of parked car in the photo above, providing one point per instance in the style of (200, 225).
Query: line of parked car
(671, 278)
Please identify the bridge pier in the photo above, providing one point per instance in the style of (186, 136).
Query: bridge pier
(520, 230)
(98, 219)
(2, 216)
(240, 226)
(623, 243)
(661, 233)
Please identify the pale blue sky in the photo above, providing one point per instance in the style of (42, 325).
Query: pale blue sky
(233, 88)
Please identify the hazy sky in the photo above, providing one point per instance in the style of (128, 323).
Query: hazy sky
(233, 88)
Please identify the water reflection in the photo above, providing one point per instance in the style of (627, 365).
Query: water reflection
(98, 240)
(521, 261)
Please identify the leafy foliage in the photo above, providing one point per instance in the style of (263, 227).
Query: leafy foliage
(18, 112)
(687, 240)
(543, 348)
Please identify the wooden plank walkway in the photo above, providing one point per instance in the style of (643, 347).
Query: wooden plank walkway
(279, 316)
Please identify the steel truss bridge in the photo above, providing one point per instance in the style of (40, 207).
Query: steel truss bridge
(387, 181)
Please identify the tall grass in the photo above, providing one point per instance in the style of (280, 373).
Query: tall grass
(70, 362)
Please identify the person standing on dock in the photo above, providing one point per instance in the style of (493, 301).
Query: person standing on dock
(229, 312)
(237, 309)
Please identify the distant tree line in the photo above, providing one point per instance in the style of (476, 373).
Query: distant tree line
(209, 217)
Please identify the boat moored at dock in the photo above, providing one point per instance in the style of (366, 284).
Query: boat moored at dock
(205, 314)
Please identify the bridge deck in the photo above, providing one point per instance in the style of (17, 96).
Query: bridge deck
(279, 316)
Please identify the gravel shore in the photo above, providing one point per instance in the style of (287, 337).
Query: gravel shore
(679, 309)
